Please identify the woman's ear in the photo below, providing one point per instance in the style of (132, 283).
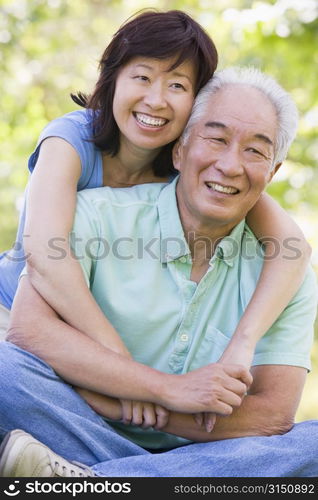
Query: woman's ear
(176, 155)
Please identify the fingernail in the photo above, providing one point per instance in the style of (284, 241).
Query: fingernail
(209, 427)
(198, 419)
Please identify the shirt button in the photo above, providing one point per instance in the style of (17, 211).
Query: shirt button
(184, 337)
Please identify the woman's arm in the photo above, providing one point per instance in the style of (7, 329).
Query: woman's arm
(268, 409)
(287, 255)
(56, 274)
(85, 363)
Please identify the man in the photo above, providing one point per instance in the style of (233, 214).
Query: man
(182, 253)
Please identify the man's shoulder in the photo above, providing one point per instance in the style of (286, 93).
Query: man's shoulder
(141, 194)
(252, 261)
(308, 288)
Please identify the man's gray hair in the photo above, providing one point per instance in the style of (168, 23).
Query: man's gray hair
(286, 111)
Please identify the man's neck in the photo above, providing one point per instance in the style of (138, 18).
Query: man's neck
(202, 243)
(203, 240)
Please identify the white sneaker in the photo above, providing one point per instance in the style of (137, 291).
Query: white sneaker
(21, 455)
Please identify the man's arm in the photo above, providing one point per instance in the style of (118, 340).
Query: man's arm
(82, 362)
(268, 409)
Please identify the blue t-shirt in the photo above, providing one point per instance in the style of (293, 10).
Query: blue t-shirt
(75, 128)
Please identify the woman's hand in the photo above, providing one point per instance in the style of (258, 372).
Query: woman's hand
(137, 413)
(144, 415)
(238, 351)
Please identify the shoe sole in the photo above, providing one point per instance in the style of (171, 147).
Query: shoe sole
(5, 451)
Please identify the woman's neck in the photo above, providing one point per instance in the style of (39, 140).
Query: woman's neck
(129, 167)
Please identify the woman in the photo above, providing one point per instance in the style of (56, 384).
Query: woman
(149, 76)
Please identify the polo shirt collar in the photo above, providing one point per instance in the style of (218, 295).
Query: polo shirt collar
(173, 242)
(229, 248)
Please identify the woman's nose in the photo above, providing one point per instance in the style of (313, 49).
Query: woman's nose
(155, 97)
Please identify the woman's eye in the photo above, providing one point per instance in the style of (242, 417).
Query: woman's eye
(143, 78)
(178, 86)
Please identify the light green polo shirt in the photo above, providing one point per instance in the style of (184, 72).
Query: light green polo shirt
(136, 261)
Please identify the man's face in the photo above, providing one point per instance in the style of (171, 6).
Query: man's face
(226, 162)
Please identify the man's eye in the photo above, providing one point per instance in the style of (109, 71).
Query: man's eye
(255, 151)
(219, 140)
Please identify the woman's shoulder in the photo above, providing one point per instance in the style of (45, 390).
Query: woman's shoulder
(79, 121)
(75, 128)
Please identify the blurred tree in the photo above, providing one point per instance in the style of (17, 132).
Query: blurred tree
(49, 48)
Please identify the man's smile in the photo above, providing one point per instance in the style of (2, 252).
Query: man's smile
(214, 186)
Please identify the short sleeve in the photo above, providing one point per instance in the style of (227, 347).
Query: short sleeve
(76, 129)
(289, 341)
(85, 236)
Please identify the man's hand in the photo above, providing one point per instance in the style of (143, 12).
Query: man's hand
(206, 419)
(215, 388)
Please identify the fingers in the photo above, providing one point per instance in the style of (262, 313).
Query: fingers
(198, 417)
(209, 421)
(162, 417)
(149, 417)
(144, 415)
(240, 372)
(127, 411)
(235, 386)
(230, 398)
(137, 413)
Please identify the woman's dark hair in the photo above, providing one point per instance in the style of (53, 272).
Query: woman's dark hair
(158, 35)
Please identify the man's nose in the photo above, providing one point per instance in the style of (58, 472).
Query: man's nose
(155, 97)
(229, 162)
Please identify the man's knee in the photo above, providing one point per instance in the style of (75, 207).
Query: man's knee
(7, 361)
(17, 367)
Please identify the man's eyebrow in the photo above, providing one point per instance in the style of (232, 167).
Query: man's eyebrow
(215, 125)
(262, 137)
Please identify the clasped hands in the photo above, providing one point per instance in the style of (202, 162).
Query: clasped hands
(211, 391)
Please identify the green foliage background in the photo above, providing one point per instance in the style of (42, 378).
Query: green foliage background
(49, 48)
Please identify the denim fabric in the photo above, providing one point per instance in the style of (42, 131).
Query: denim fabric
(4, 321)
(35, 399)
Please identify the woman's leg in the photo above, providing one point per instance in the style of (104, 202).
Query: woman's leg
(35, 399)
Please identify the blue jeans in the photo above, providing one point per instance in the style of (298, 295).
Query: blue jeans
(35, 399)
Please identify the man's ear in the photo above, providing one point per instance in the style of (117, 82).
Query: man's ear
(273, 172)
(176, 155)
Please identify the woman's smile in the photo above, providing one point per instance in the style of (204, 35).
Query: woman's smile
(146, 120)
(152, 102)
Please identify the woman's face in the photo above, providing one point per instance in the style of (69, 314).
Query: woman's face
(152, 104)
